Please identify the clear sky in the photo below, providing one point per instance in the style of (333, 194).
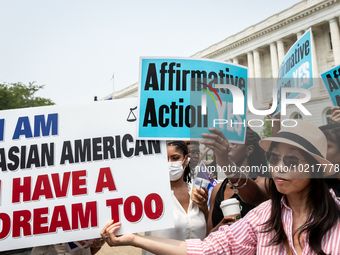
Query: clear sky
(74, 46)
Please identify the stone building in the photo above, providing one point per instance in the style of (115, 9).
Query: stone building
(262, 46)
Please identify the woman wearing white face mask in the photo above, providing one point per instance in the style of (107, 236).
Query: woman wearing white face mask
(189, 214)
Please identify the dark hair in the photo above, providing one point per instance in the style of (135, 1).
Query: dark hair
(192, 143)
(182, 147)
(332, 132)
(325, 213)
(257, 157)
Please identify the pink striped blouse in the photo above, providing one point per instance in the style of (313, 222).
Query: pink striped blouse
(245, 237)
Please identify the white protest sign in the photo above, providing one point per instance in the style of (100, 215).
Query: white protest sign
(65, 171)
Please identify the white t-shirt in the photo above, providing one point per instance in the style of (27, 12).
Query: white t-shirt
(187, 225)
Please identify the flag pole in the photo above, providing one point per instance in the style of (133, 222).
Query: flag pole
(113, 82)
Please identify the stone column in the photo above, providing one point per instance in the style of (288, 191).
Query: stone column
(299, 34)
(258, 74)
(317, 86)
(257, 64)
(274, 60)
(251, 74)
(250, 65)
(280, 50)
(314, 57)
(335, 37)
(235, 61)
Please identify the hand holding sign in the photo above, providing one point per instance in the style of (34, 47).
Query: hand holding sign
(108, 234)
(219, 144)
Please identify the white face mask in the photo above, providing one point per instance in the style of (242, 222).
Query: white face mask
(175, 170)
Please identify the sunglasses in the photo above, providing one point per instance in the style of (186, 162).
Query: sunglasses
(274, 159)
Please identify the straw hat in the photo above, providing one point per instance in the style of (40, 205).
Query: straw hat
(304, 136)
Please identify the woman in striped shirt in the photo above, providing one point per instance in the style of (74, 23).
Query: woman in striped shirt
(302, 216)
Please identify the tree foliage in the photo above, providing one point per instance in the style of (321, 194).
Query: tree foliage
(19, 95)
(266, 129)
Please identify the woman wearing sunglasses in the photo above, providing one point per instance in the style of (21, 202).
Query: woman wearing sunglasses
(302, 216)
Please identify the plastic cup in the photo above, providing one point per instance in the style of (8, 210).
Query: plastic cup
(198, 184)
(231, 207)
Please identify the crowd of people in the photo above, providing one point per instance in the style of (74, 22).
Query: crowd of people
(293, 209)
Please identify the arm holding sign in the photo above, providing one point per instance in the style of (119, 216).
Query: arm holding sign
(153, 244)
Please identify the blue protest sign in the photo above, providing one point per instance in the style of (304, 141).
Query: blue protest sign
(331, 79)
(179, 98)
(296, 68)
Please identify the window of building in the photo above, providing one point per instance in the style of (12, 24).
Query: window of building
(296, 116)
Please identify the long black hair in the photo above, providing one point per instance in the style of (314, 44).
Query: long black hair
(325, 213)
(332, 133)
(183, 148)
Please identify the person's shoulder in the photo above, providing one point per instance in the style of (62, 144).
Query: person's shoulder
(214, 191)
(217, 186)
(265, 204)
(335, 196)
(260, 212)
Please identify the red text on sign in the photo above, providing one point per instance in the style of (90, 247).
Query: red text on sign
(153, 207)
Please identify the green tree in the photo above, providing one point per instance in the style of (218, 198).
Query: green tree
(266, 129)
(19, 95)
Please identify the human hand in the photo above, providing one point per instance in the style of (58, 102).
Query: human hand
(201, 198)
(219, 144)
(227, 220)
(335, 114)
(108, 234)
